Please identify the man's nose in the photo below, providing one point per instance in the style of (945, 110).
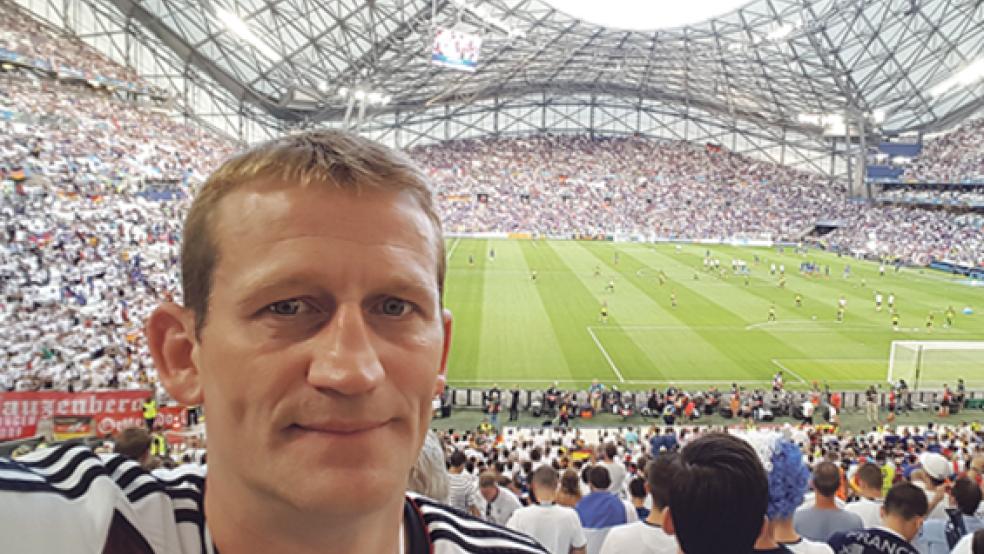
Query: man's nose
(345, 359)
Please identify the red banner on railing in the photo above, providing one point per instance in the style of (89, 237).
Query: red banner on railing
(111, 411)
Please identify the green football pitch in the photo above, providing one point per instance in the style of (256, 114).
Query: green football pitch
(511, 329)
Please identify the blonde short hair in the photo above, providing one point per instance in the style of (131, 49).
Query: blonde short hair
(339, 160)
(429, 475)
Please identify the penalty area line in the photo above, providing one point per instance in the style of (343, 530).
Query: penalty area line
(605, 354)
(454, 245)
(789, 371)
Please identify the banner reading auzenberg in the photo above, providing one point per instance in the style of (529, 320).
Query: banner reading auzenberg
(111, 411)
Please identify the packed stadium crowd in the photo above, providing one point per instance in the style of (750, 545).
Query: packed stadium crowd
(955, 157)
(908, 489)
(573, 184)
(963, 197)
(86, 251)
(22, 34)
(85, 254)
(824, 487)
(564, 185)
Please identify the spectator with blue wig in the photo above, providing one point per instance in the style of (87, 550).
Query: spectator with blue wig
(788, 478)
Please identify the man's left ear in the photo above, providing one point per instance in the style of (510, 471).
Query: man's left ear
(170, 332)
(668, 522)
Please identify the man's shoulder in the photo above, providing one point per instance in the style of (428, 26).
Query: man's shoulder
(453, 531)
(630, 535)
(85, 499)
(70, 470)
(876, 539)
(554, 513)
(628, 530)
(850, 517)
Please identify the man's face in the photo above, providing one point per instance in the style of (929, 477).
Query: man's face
(324, 345)
(489, 493)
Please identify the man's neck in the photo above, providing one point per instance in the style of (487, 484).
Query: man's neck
(826, 502)
(655, 517)
(895, 525)
(252, 524)
(871, 494)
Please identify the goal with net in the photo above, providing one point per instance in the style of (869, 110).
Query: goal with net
(933, 363)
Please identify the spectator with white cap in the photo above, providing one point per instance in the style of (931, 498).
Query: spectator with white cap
(936, 469)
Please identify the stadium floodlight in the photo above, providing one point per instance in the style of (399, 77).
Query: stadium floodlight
(633, 15)
(365, 96)
(963, 78)
(781, 31)
(239, 27)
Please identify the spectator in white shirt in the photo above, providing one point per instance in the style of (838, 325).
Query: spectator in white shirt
(868, 507)
(499, 502)
(462, 486)
(648, 536)
(616, 471)
(555, 527)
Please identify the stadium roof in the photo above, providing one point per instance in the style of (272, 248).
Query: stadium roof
(784, 67)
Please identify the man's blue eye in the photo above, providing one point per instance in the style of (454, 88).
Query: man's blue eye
(285, 307)
(395, 307)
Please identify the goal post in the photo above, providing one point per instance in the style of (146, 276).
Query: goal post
(933, 363)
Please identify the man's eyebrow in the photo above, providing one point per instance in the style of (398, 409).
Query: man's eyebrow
(263, 285)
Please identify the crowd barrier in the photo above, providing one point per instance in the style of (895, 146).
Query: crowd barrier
(106, 412)
(475, 398)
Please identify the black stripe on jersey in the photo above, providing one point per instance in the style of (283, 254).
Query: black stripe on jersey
(172, 491)
(146, 489)
(187, 494)
(475, 546)
(196, 517)
(491, 531)
(71, 468)
(56, 454)
(82, 487)
(113, 464)
(17, 485)
(187, 515)
(129, 476)
(434, 512)
(75, 456)
(197, 480)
